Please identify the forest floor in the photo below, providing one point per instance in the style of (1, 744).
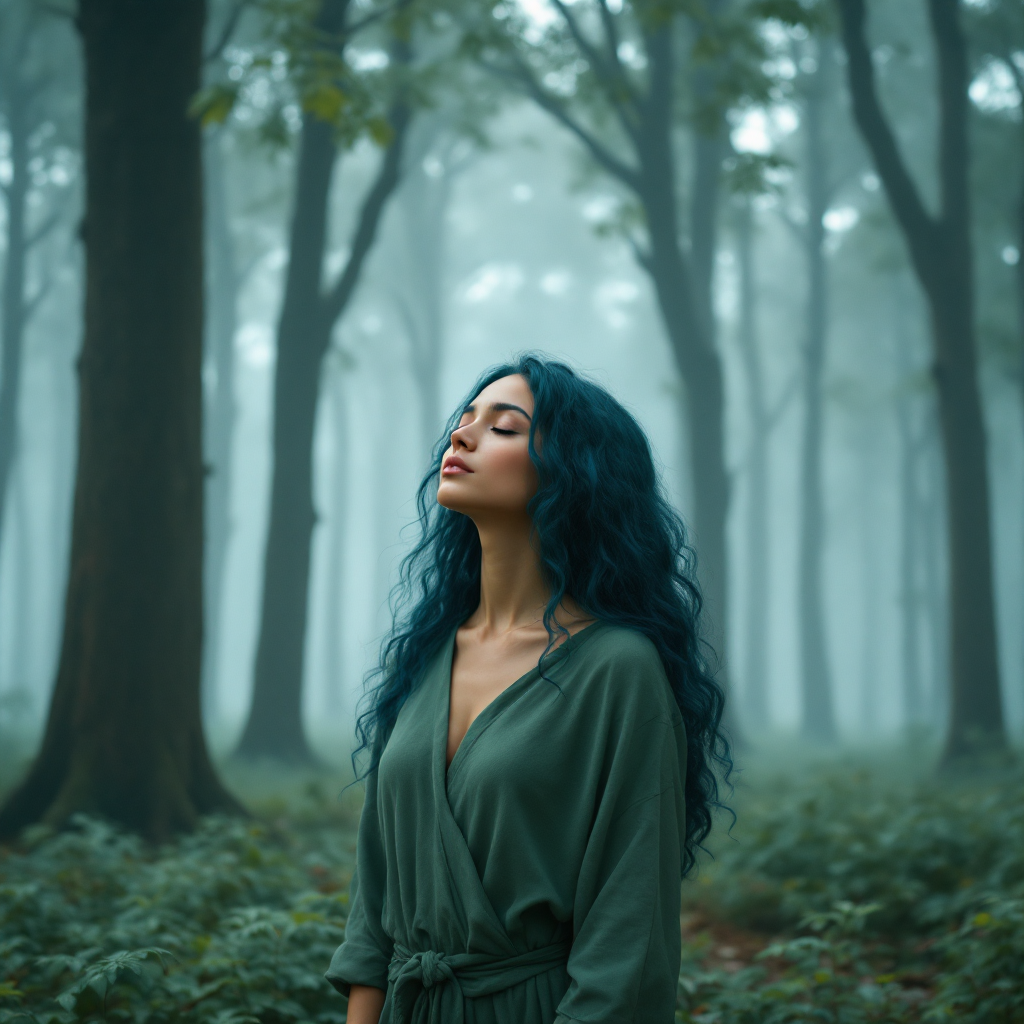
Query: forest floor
(851, 888)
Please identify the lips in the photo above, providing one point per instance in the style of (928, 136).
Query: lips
(453, 465)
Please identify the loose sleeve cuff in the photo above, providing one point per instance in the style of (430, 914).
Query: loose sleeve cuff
(354, 964)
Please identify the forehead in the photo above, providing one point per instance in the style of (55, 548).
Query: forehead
(513, 389)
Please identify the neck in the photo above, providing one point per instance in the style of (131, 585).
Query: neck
(512, 588)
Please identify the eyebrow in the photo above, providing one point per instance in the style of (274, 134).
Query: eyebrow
(500, 407)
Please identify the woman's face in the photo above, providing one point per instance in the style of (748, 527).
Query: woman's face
(487, 467)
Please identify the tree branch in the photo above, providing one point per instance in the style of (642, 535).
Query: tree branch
(918, 225)
(336, 299)
(601, 154)
(609, 72)
(951, 56)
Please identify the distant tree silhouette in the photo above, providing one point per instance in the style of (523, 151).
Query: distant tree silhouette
(309, 313)
(941, 253)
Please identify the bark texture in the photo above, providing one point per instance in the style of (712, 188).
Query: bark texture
(941, 253)
(124, 737)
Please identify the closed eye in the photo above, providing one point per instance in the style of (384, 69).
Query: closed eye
(498, 430)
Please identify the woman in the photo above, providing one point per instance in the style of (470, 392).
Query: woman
(542, 731)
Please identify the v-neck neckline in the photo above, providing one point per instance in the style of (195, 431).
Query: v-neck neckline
(494, 706)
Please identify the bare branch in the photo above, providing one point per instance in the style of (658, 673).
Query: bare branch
(919, 226)
(337, 298)
(612, 37)
(609, 72)
(526, 80)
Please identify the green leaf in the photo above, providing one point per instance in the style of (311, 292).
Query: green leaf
(213, 104)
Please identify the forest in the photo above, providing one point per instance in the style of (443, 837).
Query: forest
(253, 252)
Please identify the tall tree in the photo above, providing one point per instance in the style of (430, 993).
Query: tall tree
(911, 430)
(309, 313)
(621, 78)
(941, 253)
(756, 588)
(338, 365)
(124, 737)
(817, 94)
(997, 36)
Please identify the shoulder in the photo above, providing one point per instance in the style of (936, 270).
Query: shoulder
(624, 666)
(622, 647)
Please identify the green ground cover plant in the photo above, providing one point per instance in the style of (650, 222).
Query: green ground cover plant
(841, 895)
(881, 899)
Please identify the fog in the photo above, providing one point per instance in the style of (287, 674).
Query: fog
(508, 237)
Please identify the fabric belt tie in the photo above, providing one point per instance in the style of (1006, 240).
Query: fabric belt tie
(428, 987)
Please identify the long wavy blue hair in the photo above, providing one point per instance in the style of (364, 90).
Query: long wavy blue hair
(608, 537)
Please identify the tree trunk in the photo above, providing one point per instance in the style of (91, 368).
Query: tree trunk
(222, 325)
(681, 277)
(682, 288)
(941, 253)
(755, 647)
(274, 727)
(910, 447)
(934, 538)
(308, 315)
(1019, 78)
(124, 737)
(14, 313)
(870, 692)
(333, 634)
(815, 676)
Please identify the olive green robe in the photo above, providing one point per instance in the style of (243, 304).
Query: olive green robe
(537, 879)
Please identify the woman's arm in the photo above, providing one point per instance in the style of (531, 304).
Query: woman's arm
(364, 1004)
(624, 961)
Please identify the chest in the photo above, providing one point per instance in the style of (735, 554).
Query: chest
(481, 673)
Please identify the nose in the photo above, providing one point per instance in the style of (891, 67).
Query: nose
(461, 437)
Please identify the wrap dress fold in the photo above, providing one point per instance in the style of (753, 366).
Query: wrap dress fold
(537, 879)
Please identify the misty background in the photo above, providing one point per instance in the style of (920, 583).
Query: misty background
(502, 235)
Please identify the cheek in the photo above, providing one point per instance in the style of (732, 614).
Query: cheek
(515, 467)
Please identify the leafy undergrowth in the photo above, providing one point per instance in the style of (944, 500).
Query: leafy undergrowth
(845, 897)
(841, 898)
(234, 923)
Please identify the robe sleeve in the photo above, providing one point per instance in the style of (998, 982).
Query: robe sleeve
(364, 956)
(624, 961)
